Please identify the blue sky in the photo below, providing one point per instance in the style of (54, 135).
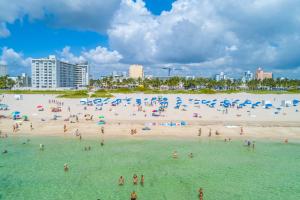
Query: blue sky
(202, 37)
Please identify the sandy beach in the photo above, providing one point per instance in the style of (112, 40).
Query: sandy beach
(120, 119)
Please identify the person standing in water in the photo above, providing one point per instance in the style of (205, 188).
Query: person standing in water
(66, 167)
(133, 196)
(175, 156)
(41, 147)
(200, 194)
(135, 179)
(121, 180)
(142, 180)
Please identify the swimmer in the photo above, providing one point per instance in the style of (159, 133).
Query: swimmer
(4, 151)
(41, 147)
(142, 180)
(253, 144)
(135, 179)
(286, 141)
(200, 194)
(133, 196)
(66, 167)
(121, 180)
(175, 155)
(191, 155)
(102, 142)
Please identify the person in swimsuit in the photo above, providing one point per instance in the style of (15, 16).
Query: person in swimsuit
(200, 194)
(142, 180)
(199, 132)
(209, 134)
(135, 179)
(242, 131)
(121, 180)
(191, 155)
(133, 196)
(175, 155)
(66, 167)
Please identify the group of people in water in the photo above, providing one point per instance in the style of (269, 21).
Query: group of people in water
(135, 180)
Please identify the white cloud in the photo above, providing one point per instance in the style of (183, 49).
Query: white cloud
(4, 32)
(91, 15)
(246, 33)
(15, 61)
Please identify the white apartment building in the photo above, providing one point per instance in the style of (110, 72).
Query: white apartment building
(53, 73)
(3, 70)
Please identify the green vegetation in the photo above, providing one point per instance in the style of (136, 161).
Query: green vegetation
(6, 83)
(102, 94)
(74, 94)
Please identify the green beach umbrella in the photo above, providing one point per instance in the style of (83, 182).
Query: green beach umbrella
(101, 117)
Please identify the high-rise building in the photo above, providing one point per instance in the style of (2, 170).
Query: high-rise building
(53, 73)
(3, 70)
(221, 76)
(247, 76)
(261, 75)
(136, 71)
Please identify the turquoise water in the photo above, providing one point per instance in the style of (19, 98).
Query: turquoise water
(223, 170)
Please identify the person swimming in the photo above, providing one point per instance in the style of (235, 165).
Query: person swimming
(191, 155)
(121, 180)
(133, 196)
(102, 142)
(4, 151)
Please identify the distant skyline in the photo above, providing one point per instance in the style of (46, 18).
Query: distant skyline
(203, 37)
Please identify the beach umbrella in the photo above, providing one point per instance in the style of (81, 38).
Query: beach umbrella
(39, 106)
(101, 117)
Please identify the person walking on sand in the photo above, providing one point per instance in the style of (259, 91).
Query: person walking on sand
(31, 127)
(102, 130)
(209, 134)
(65, 128)
(199, 132)
(242, 131)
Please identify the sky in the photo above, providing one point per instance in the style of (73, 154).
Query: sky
(199, 37)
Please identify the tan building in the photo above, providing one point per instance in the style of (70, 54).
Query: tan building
(261, 75)
(136, 71)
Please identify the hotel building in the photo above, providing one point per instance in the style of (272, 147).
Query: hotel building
(136, 71)
(53, 73)
(3, 70)
(261, 75)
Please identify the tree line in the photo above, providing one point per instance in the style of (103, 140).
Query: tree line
(197, 83)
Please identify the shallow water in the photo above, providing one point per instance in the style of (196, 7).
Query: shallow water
(223, 170)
